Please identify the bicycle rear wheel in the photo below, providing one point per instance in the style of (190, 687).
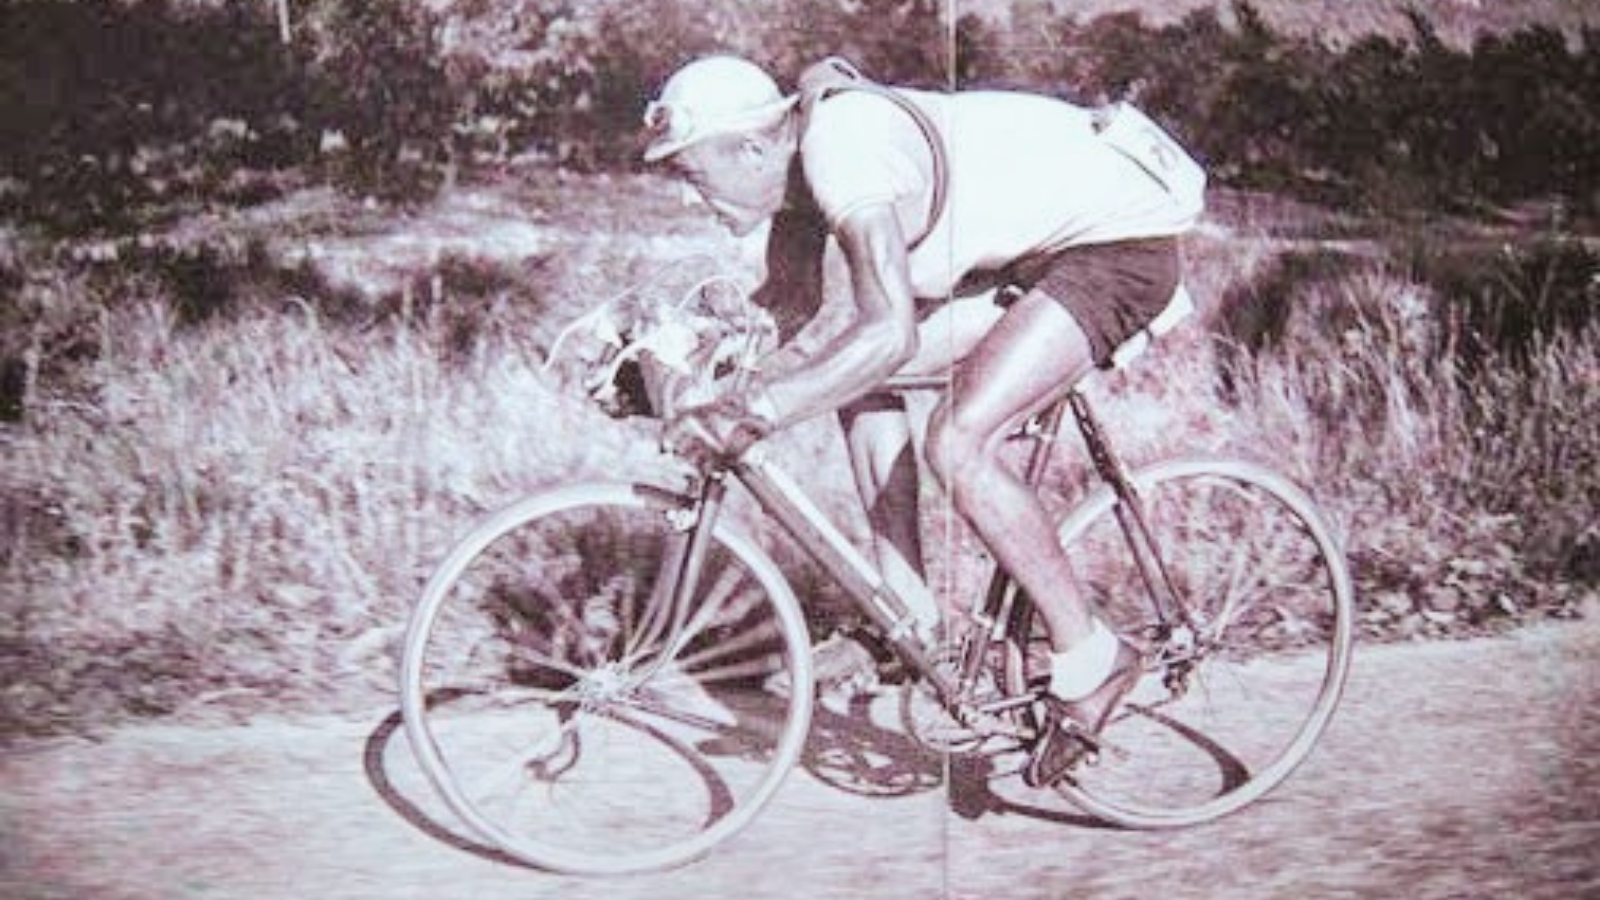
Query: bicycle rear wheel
(577, 719)
(1227, 708)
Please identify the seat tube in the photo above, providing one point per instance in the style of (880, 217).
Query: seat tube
(1130, 513)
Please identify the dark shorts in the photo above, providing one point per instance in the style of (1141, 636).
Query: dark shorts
(1112, 290)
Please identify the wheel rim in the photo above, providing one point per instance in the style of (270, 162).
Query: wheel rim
(1264, 668)
(569, 718)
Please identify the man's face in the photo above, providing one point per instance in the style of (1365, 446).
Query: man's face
(742, 178)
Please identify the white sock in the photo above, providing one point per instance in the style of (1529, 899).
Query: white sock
(1081, 669)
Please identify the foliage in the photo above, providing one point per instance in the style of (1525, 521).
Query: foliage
(1509, 300)
(1389, 124)
(1457, 441)
(113, 112)
(229, 490)
(569, 80)
(382, 86)
(106, 108)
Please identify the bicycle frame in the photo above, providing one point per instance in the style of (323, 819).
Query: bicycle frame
(625, 610)
(1004, 604)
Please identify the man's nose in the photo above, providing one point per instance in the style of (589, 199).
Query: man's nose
(690, 195)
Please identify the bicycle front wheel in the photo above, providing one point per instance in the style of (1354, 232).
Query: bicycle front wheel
(1240, 686)
(573, 714)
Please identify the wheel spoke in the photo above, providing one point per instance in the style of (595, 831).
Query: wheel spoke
(733, 671)
(1250, 556)
(708, 610)
(740, 644)
(580, 722)
(545, 661)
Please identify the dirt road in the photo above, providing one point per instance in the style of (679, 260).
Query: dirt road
(1458, 770)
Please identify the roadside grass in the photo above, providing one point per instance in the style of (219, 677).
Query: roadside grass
(239, 509)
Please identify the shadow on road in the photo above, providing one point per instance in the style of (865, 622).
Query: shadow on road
(973, 796)
(850, 752)
(845, 750)
(376, 752)
(383, 756)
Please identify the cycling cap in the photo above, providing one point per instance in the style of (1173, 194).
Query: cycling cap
(711, 96)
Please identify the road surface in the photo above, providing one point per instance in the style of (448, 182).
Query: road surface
(1453, 770)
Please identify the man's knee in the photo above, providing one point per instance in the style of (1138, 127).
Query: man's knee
(953, 445)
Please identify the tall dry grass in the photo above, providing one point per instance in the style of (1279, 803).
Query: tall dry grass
(252, 505)
(1466, 485)
(241, 511)
(211, 513)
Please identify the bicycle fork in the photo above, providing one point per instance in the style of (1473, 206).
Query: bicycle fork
(678, 576)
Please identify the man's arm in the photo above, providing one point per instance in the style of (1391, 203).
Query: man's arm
(879, 339)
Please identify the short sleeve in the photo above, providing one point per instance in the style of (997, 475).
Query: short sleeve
(861, 150)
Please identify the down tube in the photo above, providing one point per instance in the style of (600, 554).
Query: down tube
(785, 501)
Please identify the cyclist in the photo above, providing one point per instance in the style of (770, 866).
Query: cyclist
(1034, 197)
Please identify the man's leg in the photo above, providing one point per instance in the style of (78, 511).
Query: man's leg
(883, 460)
(1017, 369)
(1014, 371)
(878, 430)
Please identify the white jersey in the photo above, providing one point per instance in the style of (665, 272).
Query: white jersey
(1027, 174)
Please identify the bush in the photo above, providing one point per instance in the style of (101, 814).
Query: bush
(1509, 302)
(573, 79)
(1388, 124)
(107, 107)
(1449, 428)
(111, 112)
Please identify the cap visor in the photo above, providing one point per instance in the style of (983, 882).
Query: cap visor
(750, 120)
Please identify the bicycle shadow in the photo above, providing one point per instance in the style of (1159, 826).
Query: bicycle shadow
(383, 757)
(982, 785)
(380, 753)
(846, 750)
(852, 752)
(979, 789)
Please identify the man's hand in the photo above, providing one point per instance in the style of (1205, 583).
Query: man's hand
(722, 429)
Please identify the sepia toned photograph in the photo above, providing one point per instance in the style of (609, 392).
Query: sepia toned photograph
(799, 449)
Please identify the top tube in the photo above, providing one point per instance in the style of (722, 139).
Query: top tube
(917, 382)
(902, 383)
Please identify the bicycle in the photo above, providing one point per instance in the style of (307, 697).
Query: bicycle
(589, 677)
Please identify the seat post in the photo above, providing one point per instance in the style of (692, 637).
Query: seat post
(1045, 432)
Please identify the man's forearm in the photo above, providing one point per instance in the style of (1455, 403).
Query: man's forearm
(848, 367)
(881, 334)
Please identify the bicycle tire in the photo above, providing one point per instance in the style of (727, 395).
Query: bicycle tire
(1275, 642)
(569, 718)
